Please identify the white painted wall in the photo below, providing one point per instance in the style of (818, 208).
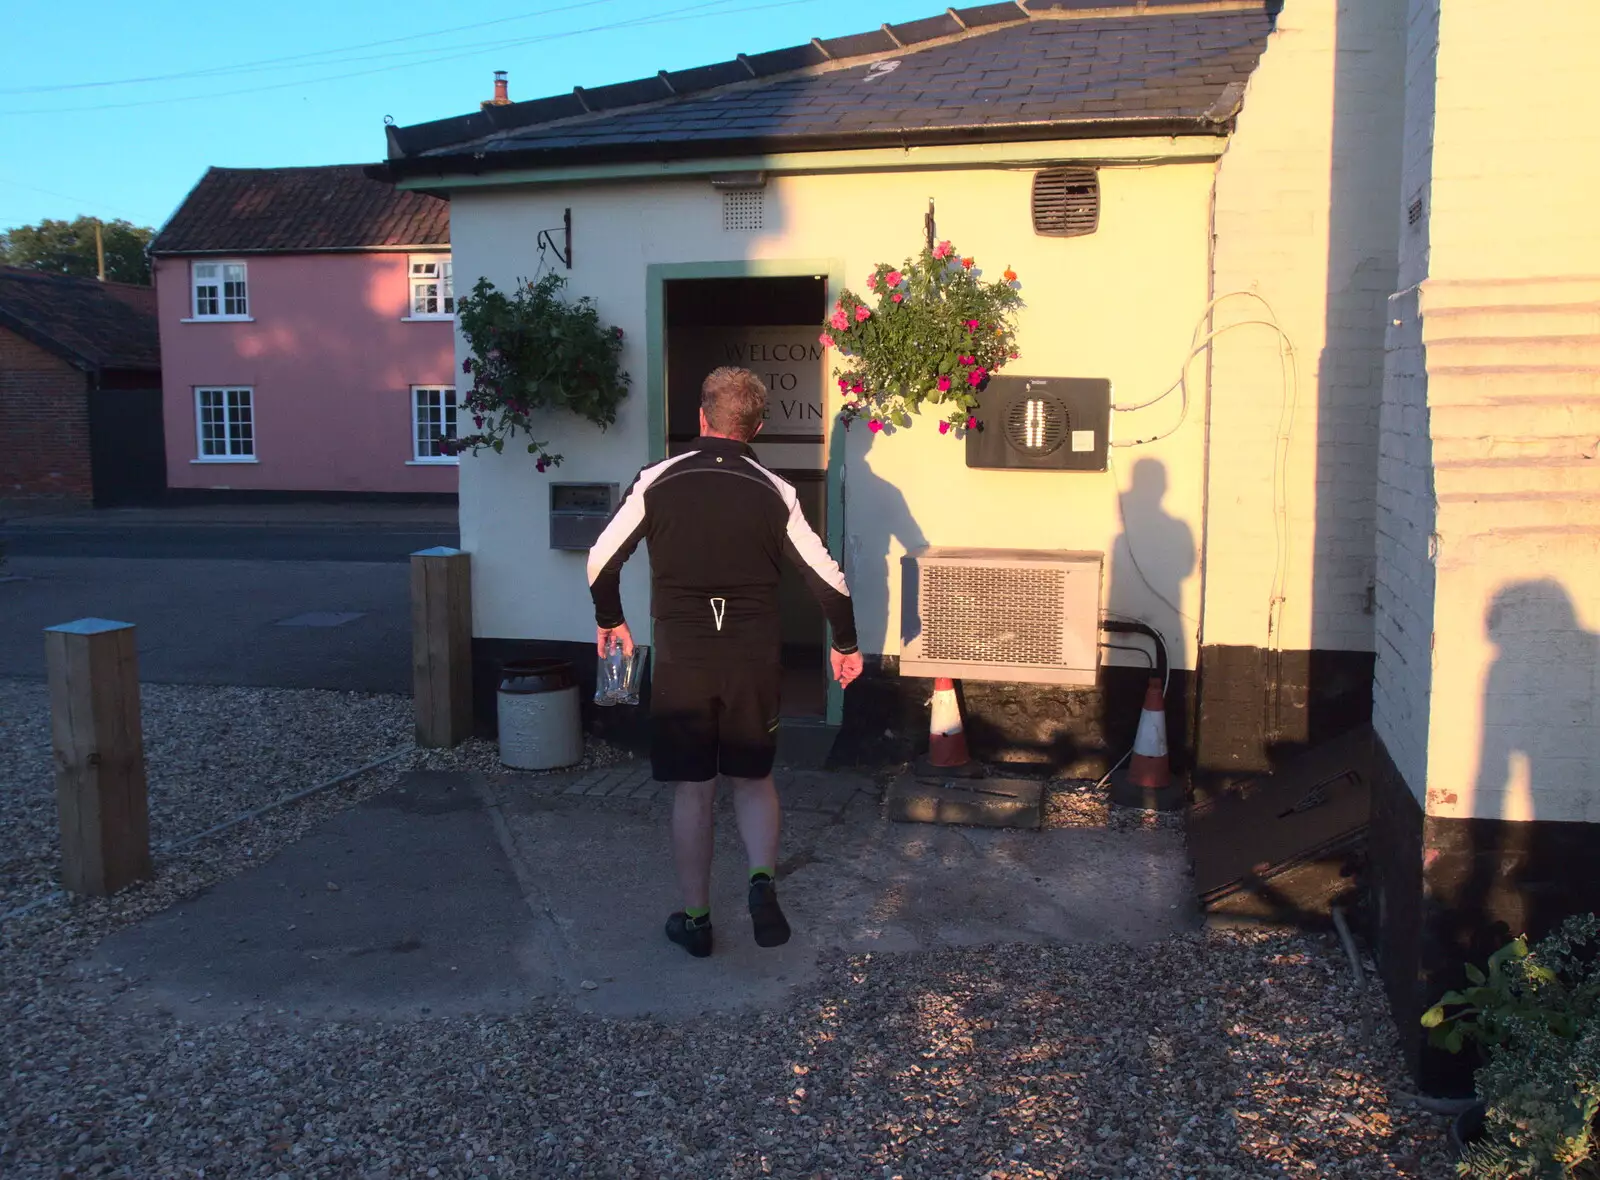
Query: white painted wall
(1305, 220)
(1121, 304)
(1403, 674)
(1509, 320)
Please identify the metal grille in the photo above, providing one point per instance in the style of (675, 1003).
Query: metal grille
(741, 209)
(992, 614)
(1037, 424)
(1066, 202)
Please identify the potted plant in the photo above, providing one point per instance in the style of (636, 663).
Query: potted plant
(533, 350)
(931, 330)
(1536, 1014)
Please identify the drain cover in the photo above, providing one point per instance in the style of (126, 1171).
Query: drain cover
(322, 618)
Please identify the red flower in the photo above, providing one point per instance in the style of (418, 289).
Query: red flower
(972, 325)
(857, 387)
(944, 428)
(972, 424)
(843, 385)
(897, 297)
(975, 378)
(944, 384)
(966, 264)
(466, 365)
(874, 426)
(825, 340)
(618, 331)
(1011, 275)
(539, 466)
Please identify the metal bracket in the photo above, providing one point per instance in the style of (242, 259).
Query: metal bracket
(546, 242)
(927, 225)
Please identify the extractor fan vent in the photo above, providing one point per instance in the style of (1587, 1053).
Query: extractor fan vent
(1066, 202)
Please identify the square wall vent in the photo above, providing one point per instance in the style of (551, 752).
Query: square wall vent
(1066, 202)
(741, 209)
(1001, 614)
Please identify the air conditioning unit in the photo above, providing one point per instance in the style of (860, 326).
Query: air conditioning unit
(1001, 614)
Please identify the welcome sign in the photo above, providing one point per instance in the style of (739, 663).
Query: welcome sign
(790, 361)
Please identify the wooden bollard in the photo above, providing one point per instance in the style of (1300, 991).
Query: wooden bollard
(441, 645)
(99, 755)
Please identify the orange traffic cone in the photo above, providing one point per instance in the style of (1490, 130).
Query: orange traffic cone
(1148, 781)
(947, 741)
(1148, 767)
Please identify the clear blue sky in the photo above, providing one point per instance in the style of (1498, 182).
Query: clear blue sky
(69, 145)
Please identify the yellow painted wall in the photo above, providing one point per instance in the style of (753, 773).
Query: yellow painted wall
(1120, 304)
(1510, 320)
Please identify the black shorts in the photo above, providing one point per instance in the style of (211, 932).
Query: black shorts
(713, 719)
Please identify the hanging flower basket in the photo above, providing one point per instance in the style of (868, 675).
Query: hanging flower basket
(933, 332)
(532, 350)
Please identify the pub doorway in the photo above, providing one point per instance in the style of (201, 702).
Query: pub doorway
(769, 326)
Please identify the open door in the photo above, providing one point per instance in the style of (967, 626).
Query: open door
(769, 326)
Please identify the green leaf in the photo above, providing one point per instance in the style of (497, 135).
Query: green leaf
(1433, 1017)
(1476, 975)
(499, 446)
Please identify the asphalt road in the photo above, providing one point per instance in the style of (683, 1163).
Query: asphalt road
(220, 601)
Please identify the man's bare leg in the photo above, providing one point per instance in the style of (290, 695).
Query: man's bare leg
(755, 803)
(692, 842)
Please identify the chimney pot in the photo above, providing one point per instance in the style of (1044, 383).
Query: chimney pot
(501, 96)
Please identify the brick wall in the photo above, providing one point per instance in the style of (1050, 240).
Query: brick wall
(1403, 676)
(1304, 218)
(44, 423)
(1489, 520)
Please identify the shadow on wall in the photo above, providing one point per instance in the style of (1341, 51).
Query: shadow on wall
(1519, 872)
(875, 516)
(1157, 533)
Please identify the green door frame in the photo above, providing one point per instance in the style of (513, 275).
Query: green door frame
(657, 276)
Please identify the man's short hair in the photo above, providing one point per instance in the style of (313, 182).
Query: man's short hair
(734, 401)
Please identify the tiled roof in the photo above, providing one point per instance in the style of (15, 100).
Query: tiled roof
(93, 325)
(1017, 71)
(290, 210)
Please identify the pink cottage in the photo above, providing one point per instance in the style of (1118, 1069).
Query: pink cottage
(307, 335)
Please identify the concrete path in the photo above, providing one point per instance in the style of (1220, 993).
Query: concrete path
(462, 893)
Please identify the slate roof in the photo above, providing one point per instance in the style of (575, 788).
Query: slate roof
(90, 324)
(999, 72)
(298, 210)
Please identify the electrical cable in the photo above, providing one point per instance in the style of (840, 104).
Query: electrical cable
(1148, 658)
(288, 60)
(672, 16)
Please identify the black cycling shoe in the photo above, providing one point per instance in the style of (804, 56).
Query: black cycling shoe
(692, 934)
(772, 928)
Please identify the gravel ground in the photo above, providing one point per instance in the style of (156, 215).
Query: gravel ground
(1215, 1055)
(1081, 803)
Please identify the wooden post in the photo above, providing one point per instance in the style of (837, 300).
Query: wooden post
(441, 645)
(99, 755)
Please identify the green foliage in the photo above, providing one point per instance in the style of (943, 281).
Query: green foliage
(68, 248)
(1536, 1012)
(532, 350)
(935, 333)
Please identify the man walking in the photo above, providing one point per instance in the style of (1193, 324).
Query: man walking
(718, 526)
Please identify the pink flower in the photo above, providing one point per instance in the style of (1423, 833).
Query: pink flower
(466, 365)
(862, 314)
(944, 385)
(857, 388)
(943, 249)
(843, 385)
(893, 278)
(972, 325)
(897, 297)
(838, 319)
(976, 377)
(477, 420)
(825, 340)
(872, 282)
(874, 426)
(972, 424)
(944, 427)
(1015, 355)
(967, 360)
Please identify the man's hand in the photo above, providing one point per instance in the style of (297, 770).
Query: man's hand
(605, 636)
(845, 667)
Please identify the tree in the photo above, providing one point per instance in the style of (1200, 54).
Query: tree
(68, 248)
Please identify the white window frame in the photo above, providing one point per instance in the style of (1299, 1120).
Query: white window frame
(450, 416)
(210, 300)
(430, 270)
(228, 421)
